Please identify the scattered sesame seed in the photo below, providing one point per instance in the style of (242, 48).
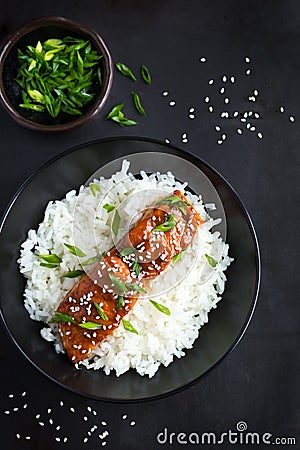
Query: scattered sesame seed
(252, 128)
(11, 395)
(260, 135)
(281, 109)
(232, 79)
(222, 90)
(223, 137)
(16, 409)
(192, 116)
(172, 103)
(191, 110)
(6, 412)
(72, 409)
(220, 142)
(224, 79)
(292, 118)
(28, 437)
(49, 410)
(18, 436)
(226, 100)
(51, 421)
(165, 93)
(248, 72)
(185, 140)
(124, 416)
(85, 418)
(103, 443)
(85, 440)
(95, 413)
(57, 428)
(25, 406)
(61, 403)
(167, 141)
(206, 99)
(210, 109)
(57, 439)
(211, 82)
(247, 59)
(37, 416)
(217, 128)
(132, 423)
(103, 423)
(256, 115)
(239, 131)
(65, 439)
(202, 59)
(23, 394)
(255, 92)
(235, 114)
(248, 126)
(41, 424)
(242, 119)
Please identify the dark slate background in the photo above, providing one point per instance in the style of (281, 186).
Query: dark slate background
(258, 382)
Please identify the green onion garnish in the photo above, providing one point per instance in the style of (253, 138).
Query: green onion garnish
(161, 308)
(128, 327)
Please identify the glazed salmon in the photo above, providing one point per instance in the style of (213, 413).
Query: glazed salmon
(97, 303)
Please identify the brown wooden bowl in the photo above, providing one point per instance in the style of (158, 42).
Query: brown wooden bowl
(30, 33)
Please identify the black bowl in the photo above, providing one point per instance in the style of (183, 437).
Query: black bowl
(44, 28)
(226, 325)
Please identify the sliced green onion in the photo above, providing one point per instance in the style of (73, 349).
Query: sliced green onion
(90, 325)
(120, 302)
(100, 311)
(128, 327)
(94, 189)
(166, 226)
(137, 103)
(145, 74)
(73, 273)
(127, 251)
(108, 207)
(51, 258)
(178, 256)
(124, 70)
(211, 260)
(136, 267)
(136, 287)
(160, 307)
(116, 223)
(119, 284)
(60, 317)
(75, 250)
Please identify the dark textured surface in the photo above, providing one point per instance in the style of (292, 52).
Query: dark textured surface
(258, 382)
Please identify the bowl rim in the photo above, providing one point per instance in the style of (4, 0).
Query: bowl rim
(71, 25)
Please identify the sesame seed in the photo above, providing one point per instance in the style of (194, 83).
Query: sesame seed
(172, 103)
(6, 412)
(223, 137)
(248, 126)
(18, 436)
(222, 90)
(11, 395)
(27, 437)
(281, 109)
(256, 115)
(191, 110)
(25, 406)
(260, 135)
(252, 128)
(23, 394)
(85, 440)
(72, 409)
(37, 416)
(57, 439)
(220, 142)
(224, 78)
(15, 409)
(85, 418)
(292, 118)
(248, 72)
(202, 59)
(95, 413)
(57, 428)
(247, 59)
(51, 421)
(242, 119)
(192, 116)
(211, 82)
(165, 93)
(167, 141)
(103, 443)
(217, 128)
(103, 423)
(232, 79)
(239, 131)
(65, 439)
(210, 109)
(226, 100)
(255, 92)
(124, 416)
(235, 114)
(41, 424)
(206, 99)
(132, 423)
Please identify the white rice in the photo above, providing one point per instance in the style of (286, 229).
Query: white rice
(80, 219)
